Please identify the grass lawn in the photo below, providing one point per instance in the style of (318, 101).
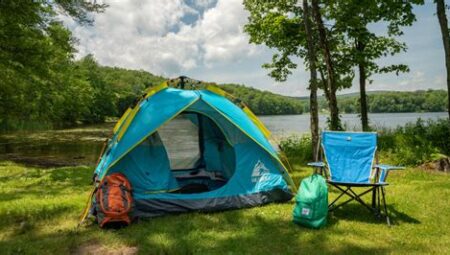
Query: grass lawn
(39, 210)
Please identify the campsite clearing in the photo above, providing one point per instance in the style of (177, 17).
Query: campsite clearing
(39, 212)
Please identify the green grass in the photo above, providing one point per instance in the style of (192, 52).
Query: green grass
(39, 210)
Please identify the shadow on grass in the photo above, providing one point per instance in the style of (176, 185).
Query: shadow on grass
(21, 221)
(38, 183)
(357, 212)
(76, 176)
(30, 240)
(234, 232)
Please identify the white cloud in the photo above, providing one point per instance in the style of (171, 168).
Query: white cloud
(152, 35)
(439, 81)
(205, 39)
(413, 81)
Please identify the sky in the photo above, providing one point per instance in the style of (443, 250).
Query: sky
(204, 40)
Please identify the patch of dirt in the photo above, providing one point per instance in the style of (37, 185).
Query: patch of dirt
(442, 165)
(96, 248)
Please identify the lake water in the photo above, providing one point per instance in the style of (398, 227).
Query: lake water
(283, 125)
(82, 145)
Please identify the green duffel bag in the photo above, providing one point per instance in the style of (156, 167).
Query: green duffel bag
(311, 202)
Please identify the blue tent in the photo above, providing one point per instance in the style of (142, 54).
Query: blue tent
(234, 165)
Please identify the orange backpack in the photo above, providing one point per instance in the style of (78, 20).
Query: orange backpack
(114, 201)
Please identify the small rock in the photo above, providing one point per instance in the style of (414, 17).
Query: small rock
(442, 165)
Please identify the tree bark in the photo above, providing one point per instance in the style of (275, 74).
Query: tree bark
(362, 88)
(440, 6)
(331, 81)
(313, 105)
(323, 80)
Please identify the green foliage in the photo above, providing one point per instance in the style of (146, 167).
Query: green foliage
(352, 18)
(113, 89)
(392, 102)
(419, 101)
(297, 148)
(416, 143)
(42, 86)
(264, 102)
(411, 145)
(37, 76)
(278, 25)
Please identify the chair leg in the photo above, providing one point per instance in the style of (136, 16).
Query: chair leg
(353, 196)
(374, 198)
(385, 207)
(331, 206)
(359, 199)
(379, 202)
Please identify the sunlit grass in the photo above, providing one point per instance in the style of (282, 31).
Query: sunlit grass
(39, 210)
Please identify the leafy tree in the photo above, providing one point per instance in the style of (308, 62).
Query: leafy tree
(35, 56)
(278, 24)
(281, 25)
(352, 18)
(43, 86)
(102, 96)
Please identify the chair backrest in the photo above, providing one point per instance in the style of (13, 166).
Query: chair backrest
(349, 155)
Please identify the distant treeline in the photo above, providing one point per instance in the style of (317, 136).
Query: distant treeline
(264, 102)
(85, 92)
(391, 102)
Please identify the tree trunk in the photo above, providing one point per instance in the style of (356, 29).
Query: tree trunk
(362, 88)
(440, 5)
(332, 103)
(323, 81)
(313, 105)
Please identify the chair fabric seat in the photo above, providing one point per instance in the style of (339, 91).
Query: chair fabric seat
(356, 184)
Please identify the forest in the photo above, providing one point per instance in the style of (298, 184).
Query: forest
(389, 102)
(44, 85)
(396, 101)
(91, 93)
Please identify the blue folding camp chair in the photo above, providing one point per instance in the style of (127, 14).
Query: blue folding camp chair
(350, 158)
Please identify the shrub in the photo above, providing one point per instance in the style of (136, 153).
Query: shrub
(411, 145)
(415, 143)
(298, 149)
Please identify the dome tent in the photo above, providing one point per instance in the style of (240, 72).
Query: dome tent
(232, 166)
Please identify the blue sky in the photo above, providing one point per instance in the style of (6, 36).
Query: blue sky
(204, 39)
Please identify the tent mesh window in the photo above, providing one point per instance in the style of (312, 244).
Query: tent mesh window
(180, 137)
(200, 156)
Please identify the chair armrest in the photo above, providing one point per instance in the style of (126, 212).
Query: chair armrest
(316, 164)
(383, 171)
(388, 167)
